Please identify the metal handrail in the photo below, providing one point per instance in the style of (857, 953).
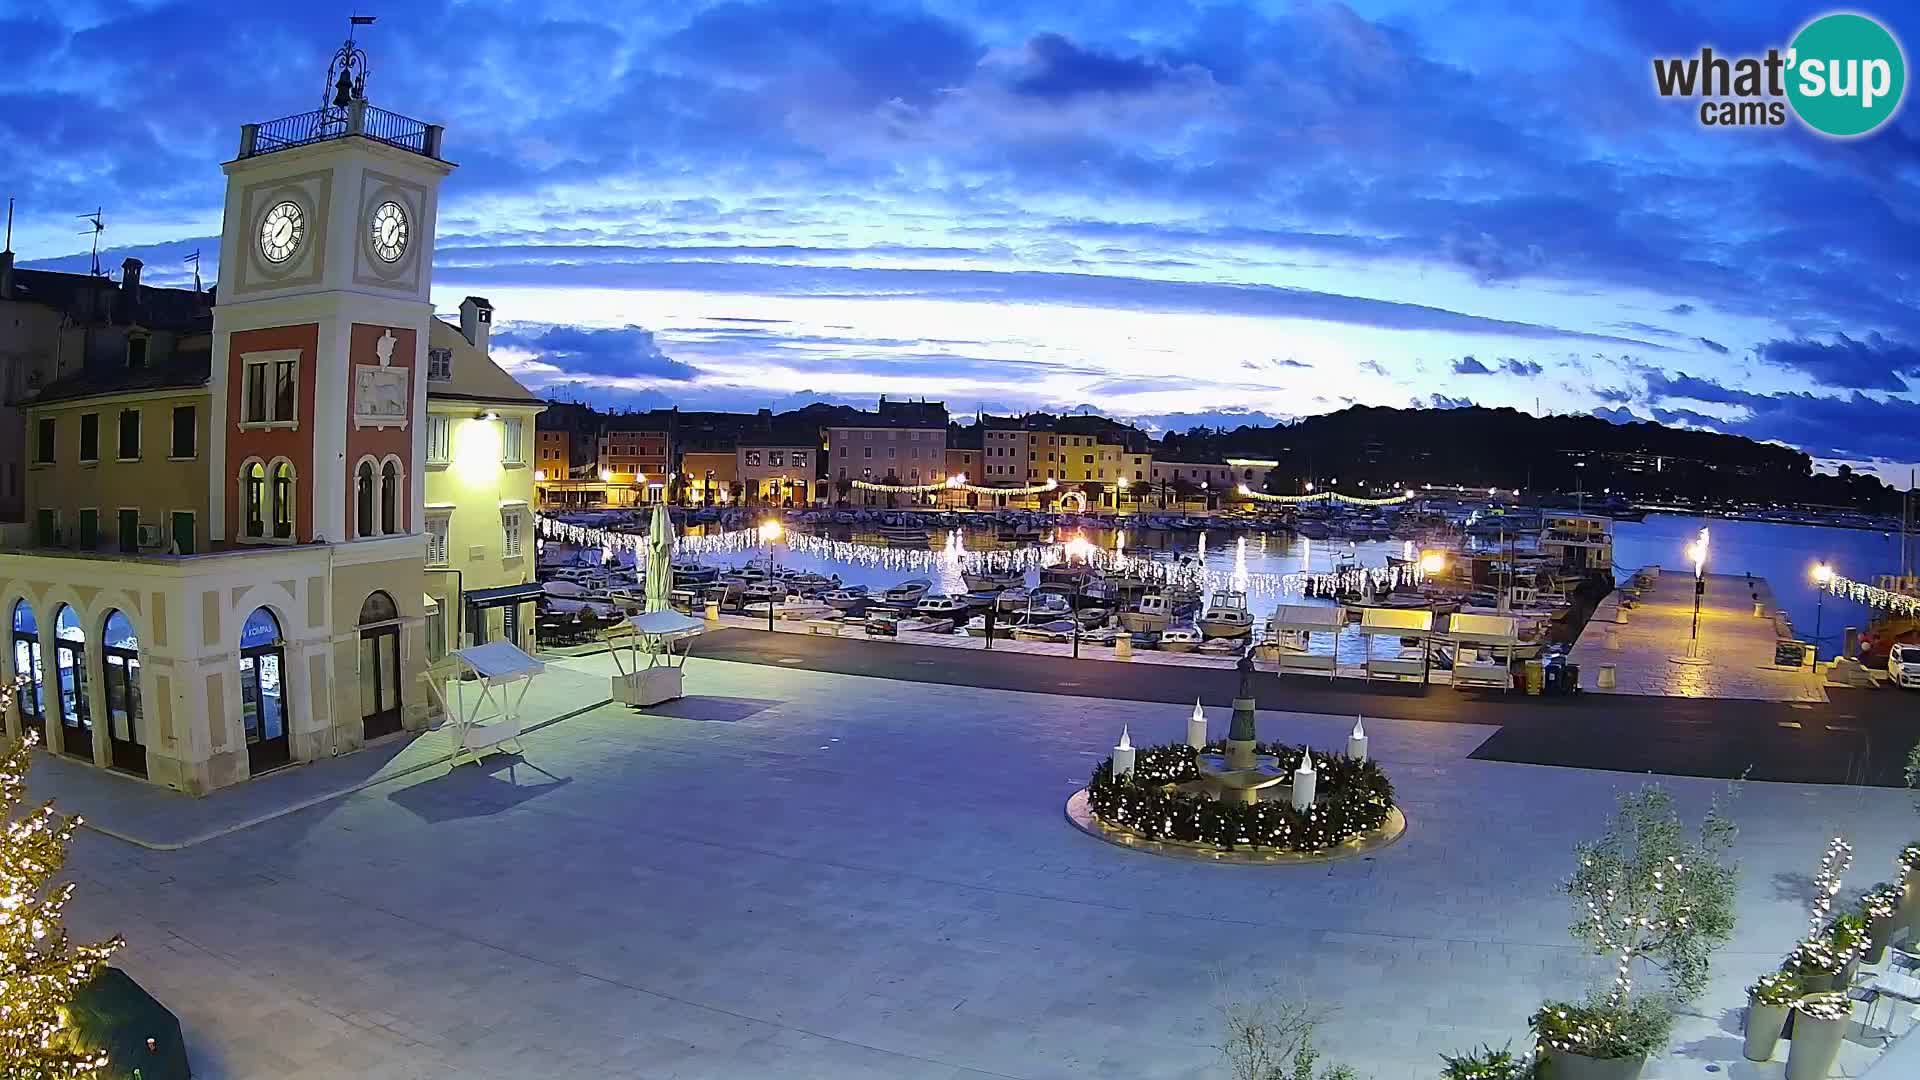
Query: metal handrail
(321, 125)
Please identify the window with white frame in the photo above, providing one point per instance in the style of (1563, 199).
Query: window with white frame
(268, 388)
(438, 524)
(510, 531)
(439, 364)
(439, 439)
(512, 443)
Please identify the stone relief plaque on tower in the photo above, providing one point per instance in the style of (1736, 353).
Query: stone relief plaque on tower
(380, 390)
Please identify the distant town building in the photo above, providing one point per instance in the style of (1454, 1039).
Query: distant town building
(709, 477)
(901, 443)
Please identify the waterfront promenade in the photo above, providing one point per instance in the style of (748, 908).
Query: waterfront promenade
(801, 873)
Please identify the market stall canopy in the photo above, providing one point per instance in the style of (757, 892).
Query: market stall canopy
(667, 623)
(1401, 622)
(1310, 618)
(1484, 629)
(499, 661)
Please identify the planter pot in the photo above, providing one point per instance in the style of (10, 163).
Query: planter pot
(1565, 1066)
(1879, 932)
(1848, 974)
(1909, 914)
(1816, 1043)
(1764, 1024)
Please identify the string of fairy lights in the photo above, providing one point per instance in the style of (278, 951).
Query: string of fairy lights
(1333, 497)
(954, 483)
(1190, 574)
(1871, 595)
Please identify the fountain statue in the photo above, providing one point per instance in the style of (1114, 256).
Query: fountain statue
(1239, 775)
(1240, 736)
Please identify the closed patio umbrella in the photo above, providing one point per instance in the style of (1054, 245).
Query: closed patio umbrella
(659, 560)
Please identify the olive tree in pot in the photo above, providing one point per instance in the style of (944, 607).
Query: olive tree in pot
(1880, 905)
(1768, 1001)
(1848, 934)
(1487, 1063)
(1819, 1025)
(1646, 893)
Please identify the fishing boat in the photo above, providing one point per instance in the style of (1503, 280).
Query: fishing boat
(1055, 630)
(883, 624)
(1074, 576)
(692, 573)
(979, 599)
(1011, 601)
(1092, 617)
(908, 593)
(1222, 647)
(991, 580)
(1180, 639)
(977, 627)
(791, 609)
(1151, 614)
(1146, 639)
(1042, 606)
(764, 590)
(940, 606)
(904, 536)
(847, 597)
(1227, 616)
(926, 626)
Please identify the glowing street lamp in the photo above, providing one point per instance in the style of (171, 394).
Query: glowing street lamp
(1432, 562)
(1697, 552)
(770, 531)
(1822, 578)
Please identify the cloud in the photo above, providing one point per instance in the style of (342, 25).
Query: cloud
(1441, 401)
(1616, 414)
(1664, 387)
(1680, 309)
(1224, 417)
(1058, 70)
(1467, 365)
(573, 352)
(1712, 344)
(1523, 368)
(1870, 363)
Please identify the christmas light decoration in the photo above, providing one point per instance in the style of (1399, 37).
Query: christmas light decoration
(1356, 800)
(1826, 883)
(1324, 497)
(953, 483)
(41, 969)
(1870, 595)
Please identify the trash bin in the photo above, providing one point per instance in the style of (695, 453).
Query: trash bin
(1536, 677)
(1572, 682)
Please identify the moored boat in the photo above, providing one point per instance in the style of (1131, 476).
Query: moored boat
(1180, 639)
(908, 592)
(1227, 616)
(1151, 614)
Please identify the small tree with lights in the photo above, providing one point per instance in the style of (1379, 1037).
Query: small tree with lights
(41, 969)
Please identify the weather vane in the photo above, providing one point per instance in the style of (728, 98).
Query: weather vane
(347, 72)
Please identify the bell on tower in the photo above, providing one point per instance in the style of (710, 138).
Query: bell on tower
(347, 73)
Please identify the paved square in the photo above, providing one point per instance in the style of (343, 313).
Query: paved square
(818, 875)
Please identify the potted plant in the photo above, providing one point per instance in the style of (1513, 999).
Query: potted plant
(1487, 1063)
(1600, 1039)
(1819, 1025)
(1848, 934)
(1768, 1001)
(1909, 883)
(1880, 906)
(1815, 966)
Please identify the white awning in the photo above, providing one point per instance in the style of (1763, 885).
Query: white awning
(665, 624)
(499, 661)
(1310, 618)
(1397, 621)
(1484, 629)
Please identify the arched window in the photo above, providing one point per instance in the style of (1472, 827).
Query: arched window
(363, 498)
(390, 497)
(378, 608)
(26, 664)
(70, 665)
(263, 693)
(379, 666)
(253, 493)
(283, 500)
(120, 663)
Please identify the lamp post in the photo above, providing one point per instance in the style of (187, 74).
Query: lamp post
(769, 534)
(1697, 551)
(1822, 575)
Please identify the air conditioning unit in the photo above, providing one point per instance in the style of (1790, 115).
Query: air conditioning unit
(152, 538)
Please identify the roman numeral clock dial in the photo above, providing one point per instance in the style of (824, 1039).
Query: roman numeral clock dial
(388, 229)
(282, 231)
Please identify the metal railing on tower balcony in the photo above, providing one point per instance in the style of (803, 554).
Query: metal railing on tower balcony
(338, 122)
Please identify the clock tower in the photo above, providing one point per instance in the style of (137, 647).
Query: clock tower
(317, 410)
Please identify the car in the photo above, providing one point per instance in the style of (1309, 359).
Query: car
(1903, 663)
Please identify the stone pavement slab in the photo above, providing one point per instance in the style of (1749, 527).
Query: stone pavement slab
(872, 877)
(1736, 645)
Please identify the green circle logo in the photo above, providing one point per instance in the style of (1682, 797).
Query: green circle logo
(1847, 75)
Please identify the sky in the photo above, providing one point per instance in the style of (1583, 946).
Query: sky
(1178, 211)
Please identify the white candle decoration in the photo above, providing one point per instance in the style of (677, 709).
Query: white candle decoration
(1197, 727)
(1357, 741)
(1123, 755)
(1303, 782)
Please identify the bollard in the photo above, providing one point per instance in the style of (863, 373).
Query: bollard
(1613, 638)
(1606, 677)
(1759, 610)
(1622, 616)
(713, 611)
(1123, 647)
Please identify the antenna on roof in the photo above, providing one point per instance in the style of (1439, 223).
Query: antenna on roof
(9, 246)
(193, 260)
(99, 227)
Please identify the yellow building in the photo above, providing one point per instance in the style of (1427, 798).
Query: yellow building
(479, 492)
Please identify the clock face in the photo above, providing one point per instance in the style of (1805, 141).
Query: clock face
(282, 231)
(388, 231)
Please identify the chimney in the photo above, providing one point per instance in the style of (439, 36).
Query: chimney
(6, 275)
(130, 276)
(476, 322)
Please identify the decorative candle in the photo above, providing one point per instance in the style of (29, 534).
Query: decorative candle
(1123, 755)
(1197, 726)
(1357, 741)
(1303, 781)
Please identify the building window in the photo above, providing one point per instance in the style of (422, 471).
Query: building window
(283, 501)
(130, 435)
(254, 495)
(437, 527)
(130, 531)
(363, 485)
(512, 442)
(439, 439)
(89, 437)
(182, 521)
(89, 529)
(776, 458)
(136, 351)
(43, 453)
(186, 436)
(268, 391)
(868, 449)
(390, 497)
(440, 364)
(510, 534)
(799, 459)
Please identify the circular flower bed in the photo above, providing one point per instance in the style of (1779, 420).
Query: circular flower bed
(1354, 798)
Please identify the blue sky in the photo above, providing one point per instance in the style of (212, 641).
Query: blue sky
(1176, 210)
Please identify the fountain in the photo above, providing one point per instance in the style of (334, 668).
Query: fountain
(1238, 775)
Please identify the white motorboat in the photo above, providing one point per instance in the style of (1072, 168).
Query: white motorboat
(940, 606)
(1227, 616)
(1222, 646)
(847, 597)
(977, 627)
(790, 609)
(992, 580)
(1041, 606)
(1180, 639)
(1056, 630)
(908, 593)
(1152, 613)
(764, 590)
(926, 626)
(1011, 601)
